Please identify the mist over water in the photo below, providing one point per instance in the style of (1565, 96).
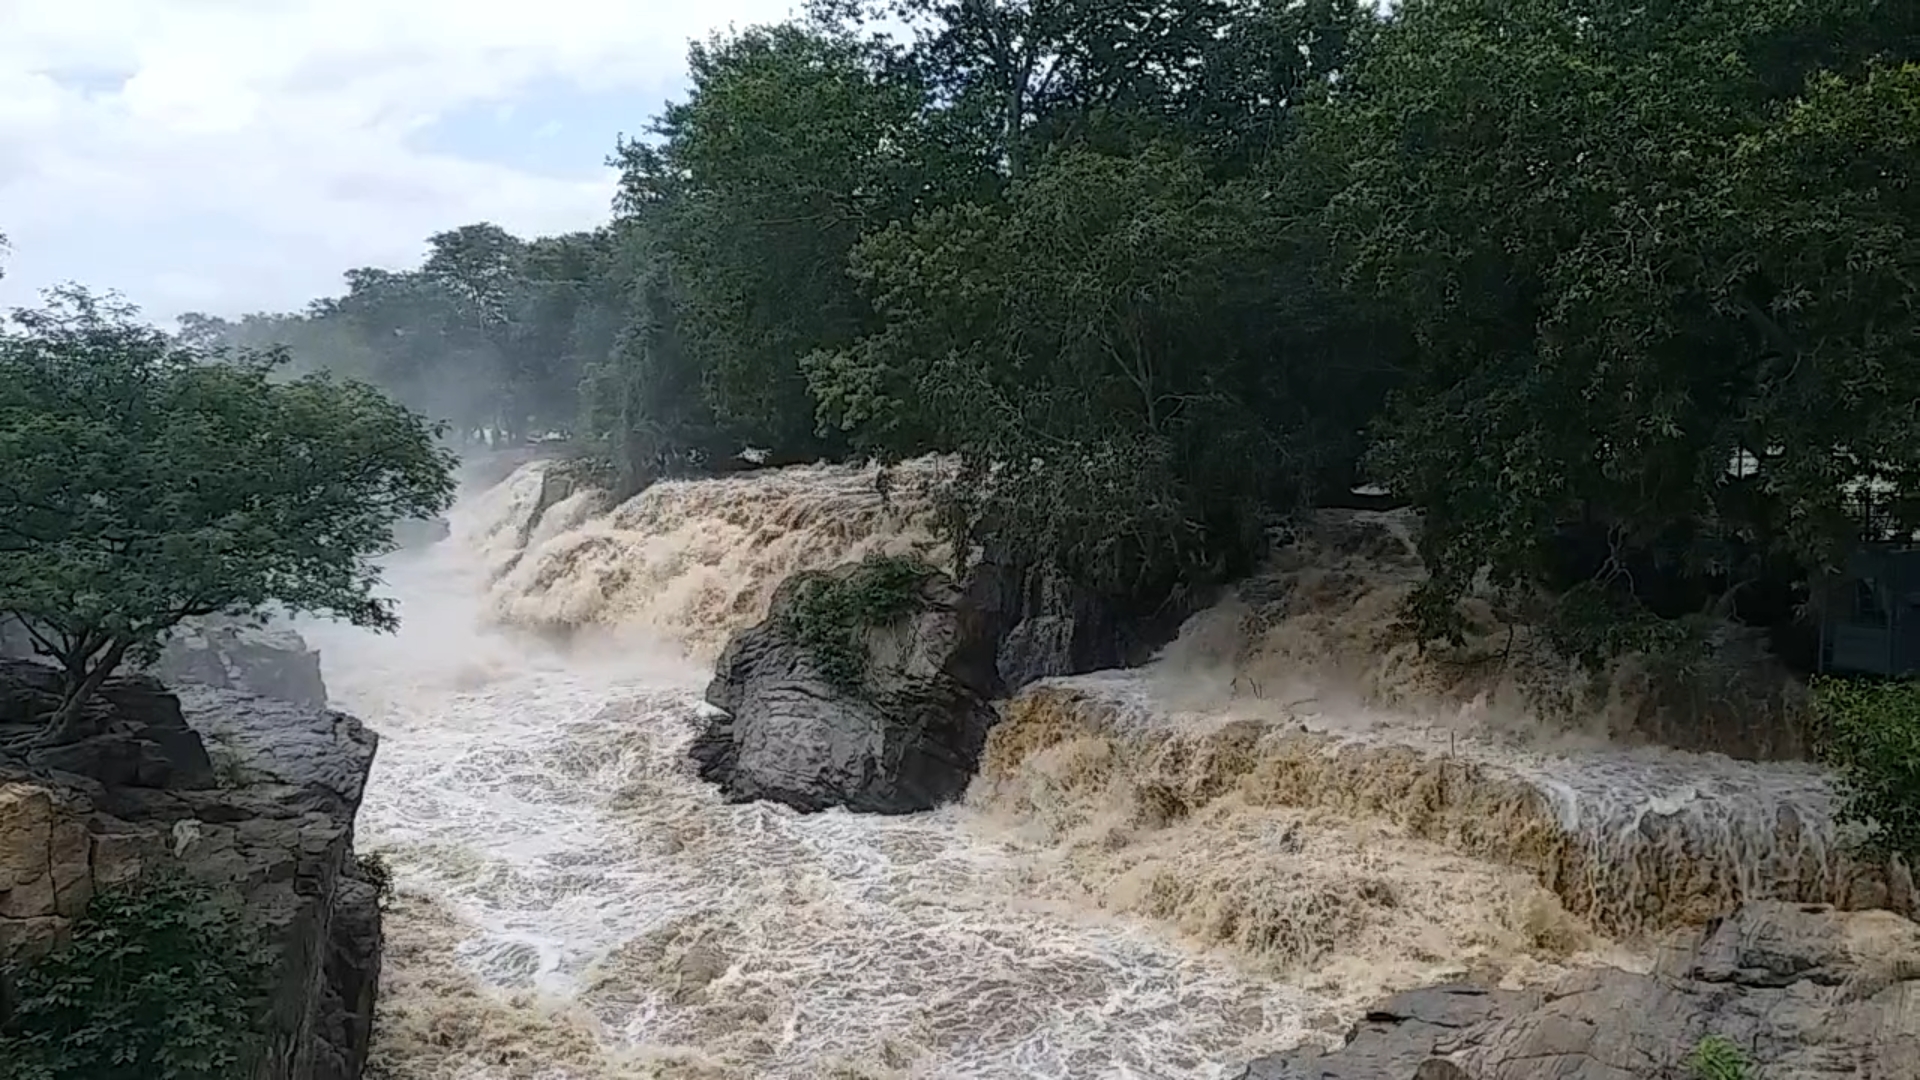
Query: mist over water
(1153, 877)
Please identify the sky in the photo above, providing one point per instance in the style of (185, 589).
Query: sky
(229, 156)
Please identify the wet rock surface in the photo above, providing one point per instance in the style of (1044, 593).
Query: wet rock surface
(224, 653)
(268, 813)
(1047, 627)
(229, 654)
(1802, 992)
(909, 739)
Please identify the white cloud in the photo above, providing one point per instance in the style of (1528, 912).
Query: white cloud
(235, 155)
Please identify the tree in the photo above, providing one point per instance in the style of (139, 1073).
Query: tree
(1653, 258)
(146, 482)
(1100, 349)
(793, 143)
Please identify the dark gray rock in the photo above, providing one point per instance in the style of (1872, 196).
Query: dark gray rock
(1048, 627)
(1397, 1035)
(273, 823)
(225, 653)
(230, 654)
(351, 985)
(139, 736)
(909, 740)
(322, 755)
(1803, 992)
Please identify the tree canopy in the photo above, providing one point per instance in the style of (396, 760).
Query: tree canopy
(1619, 296)
(144, 481)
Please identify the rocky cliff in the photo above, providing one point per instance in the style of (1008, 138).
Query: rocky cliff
(253, 794)
(1788, 992)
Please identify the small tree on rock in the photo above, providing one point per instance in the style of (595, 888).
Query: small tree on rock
(144, 481)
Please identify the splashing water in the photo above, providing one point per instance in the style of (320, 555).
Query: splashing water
(578, 906)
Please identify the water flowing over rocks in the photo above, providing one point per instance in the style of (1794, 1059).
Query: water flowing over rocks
(1630, 842)
(1802, 992)
(253, 794)
(1160, 872)
(908, 739)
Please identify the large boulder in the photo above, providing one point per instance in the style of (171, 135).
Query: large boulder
(1801, 992)
(230, 654)
(270, 822)
(222, 652)
(907, 737)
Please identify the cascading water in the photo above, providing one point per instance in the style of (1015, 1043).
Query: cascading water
(577, 906)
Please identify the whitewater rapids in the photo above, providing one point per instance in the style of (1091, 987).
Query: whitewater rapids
(576, 905)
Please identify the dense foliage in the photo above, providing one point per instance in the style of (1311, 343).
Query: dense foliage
(155, 984)
(1618, 295)
(1872, 736)
(831, 613)
(146, 482)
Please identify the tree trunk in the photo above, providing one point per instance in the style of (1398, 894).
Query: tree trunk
(65, 726)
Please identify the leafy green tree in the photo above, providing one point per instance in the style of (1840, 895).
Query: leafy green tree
(1652, 259)
(792, 144)
(144, 484)
(1097, 348)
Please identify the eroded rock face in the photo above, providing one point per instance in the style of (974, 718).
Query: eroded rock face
(232, 655)
(1804, 993)
(909, 740)
(229, 654)
(269, 814)
(1047, 627)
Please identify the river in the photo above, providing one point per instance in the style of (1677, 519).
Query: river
(576, 905)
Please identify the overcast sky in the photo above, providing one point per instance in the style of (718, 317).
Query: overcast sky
(238, 155)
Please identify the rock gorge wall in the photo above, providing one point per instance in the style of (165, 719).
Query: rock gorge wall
(221, 652)
(250, 793)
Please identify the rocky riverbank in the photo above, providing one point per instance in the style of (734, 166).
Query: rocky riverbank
(254, 795)
(1778, 991)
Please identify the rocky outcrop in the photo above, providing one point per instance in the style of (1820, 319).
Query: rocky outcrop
(255, 795)
(1046, 626)
(227, 653)
(1800, 992)
(230, 654)
(908, 739)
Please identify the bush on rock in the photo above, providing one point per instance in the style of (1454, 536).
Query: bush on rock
(154, 985)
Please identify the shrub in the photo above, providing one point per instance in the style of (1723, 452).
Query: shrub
(1870, 733)
(155, 985)
(375, 871)
(830, 614)
(1716, 1058)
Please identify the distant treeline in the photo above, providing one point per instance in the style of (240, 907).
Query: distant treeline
(1621, 295)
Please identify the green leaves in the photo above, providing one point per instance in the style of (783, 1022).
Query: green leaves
(158, 982)
(831, 614)
(1635, 249)
(144, 483)
(1871, 732)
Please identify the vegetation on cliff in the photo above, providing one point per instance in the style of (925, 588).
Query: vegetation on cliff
(154, 985)
(147, 481)
(1872, 735)
(832, 612)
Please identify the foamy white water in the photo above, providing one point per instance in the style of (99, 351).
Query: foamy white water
(541, 799)
(1154, 877)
